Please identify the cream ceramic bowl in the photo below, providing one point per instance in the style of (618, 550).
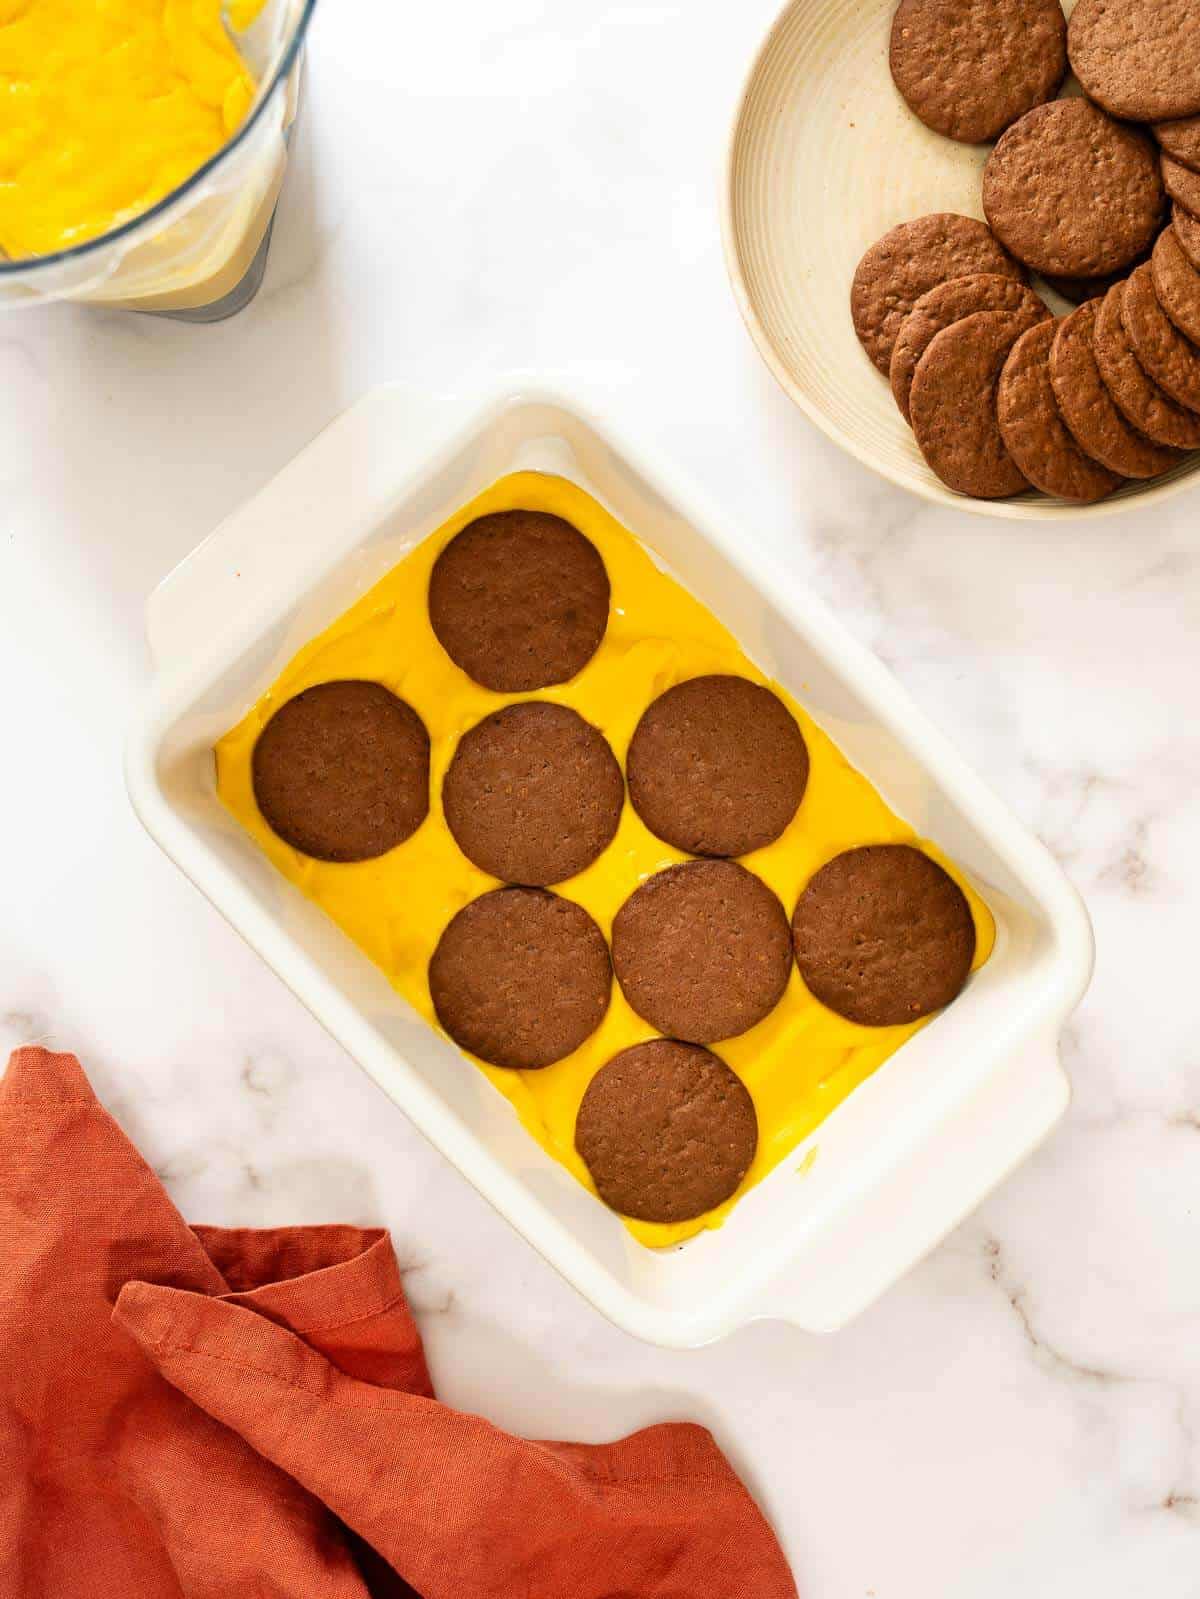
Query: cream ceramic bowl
(894, 1167)
(824, 158)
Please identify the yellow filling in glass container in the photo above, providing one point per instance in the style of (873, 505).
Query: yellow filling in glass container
(106, 106)
(802, 1060)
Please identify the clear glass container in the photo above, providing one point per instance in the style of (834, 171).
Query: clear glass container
(199, 254)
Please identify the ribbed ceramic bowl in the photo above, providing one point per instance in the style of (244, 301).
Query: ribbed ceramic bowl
(824, 158)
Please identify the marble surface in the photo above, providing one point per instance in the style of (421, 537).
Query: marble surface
(532, 186)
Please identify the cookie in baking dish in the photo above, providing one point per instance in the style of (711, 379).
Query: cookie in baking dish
(533, 793)
(341, 771)
(520, 977)
(701, 950)
(666, 1131)
(519, 600)
(883, 935)
(717, 766)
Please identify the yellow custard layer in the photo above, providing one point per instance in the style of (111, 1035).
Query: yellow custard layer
(105, 107)
(802, 1060)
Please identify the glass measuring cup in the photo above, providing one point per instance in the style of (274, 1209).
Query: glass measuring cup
(199, 254)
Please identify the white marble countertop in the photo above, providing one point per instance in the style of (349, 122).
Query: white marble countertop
(482, 188)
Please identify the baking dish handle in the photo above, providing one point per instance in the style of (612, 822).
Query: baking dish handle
(895, 1224)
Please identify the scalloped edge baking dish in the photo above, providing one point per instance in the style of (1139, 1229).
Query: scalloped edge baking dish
(912, 1150)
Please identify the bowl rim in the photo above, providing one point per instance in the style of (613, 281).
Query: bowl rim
(26, 265)
(1017, 509)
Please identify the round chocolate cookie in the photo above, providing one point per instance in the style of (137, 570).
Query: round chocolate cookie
(1170, 359)
(883, 935)
(969, 68)
(1187, 231)
(1181, 140)
(1177, 284)
(520, 978)
(953, 405)
(519, 600)
(1136, 394)
(909, 261)
(1182, 184)
(701, 950)
(1071, 192)
(717, 766)
(666, 1130)
(1088, 408)
(950, 302)
(1037, 438)
(1139, 59)
(341, 772)
(533, 794)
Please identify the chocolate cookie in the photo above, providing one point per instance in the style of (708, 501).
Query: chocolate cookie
(1177, 284)
(953, 405)
(533, 794)
(1181, 140)
(969, 68)
(909, 261)
(1037, 438)
(701, 950)
(1187, 231)
(1182, 184)
(1088, 408)
(883, 935)
(520, 978)
(519, 600)
(1071, 192)
(1170, 359)
(1136, 394)
(950, 302)
(717, 766)
(341, 772)
(666, 1130)
(1138, 58)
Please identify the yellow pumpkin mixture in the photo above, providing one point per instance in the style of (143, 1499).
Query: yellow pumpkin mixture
(802, 1060)
(106, 106)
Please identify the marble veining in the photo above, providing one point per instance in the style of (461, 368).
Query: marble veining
(533, 189)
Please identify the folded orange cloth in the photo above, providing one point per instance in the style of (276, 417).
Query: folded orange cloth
(207, 1412)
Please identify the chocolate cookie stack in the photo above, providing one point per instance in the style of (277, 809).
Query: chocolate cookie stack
(1002, 396)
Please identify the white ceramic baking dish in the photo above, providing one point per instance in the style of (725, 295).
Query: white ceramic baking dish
(912, 1150)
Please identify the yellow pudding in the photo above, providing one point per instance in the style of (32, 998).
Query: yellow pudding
(107, 106)
(802, 1060)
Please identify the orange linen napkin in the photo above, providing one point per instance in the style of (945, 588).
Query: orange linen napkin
(206, 1412)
